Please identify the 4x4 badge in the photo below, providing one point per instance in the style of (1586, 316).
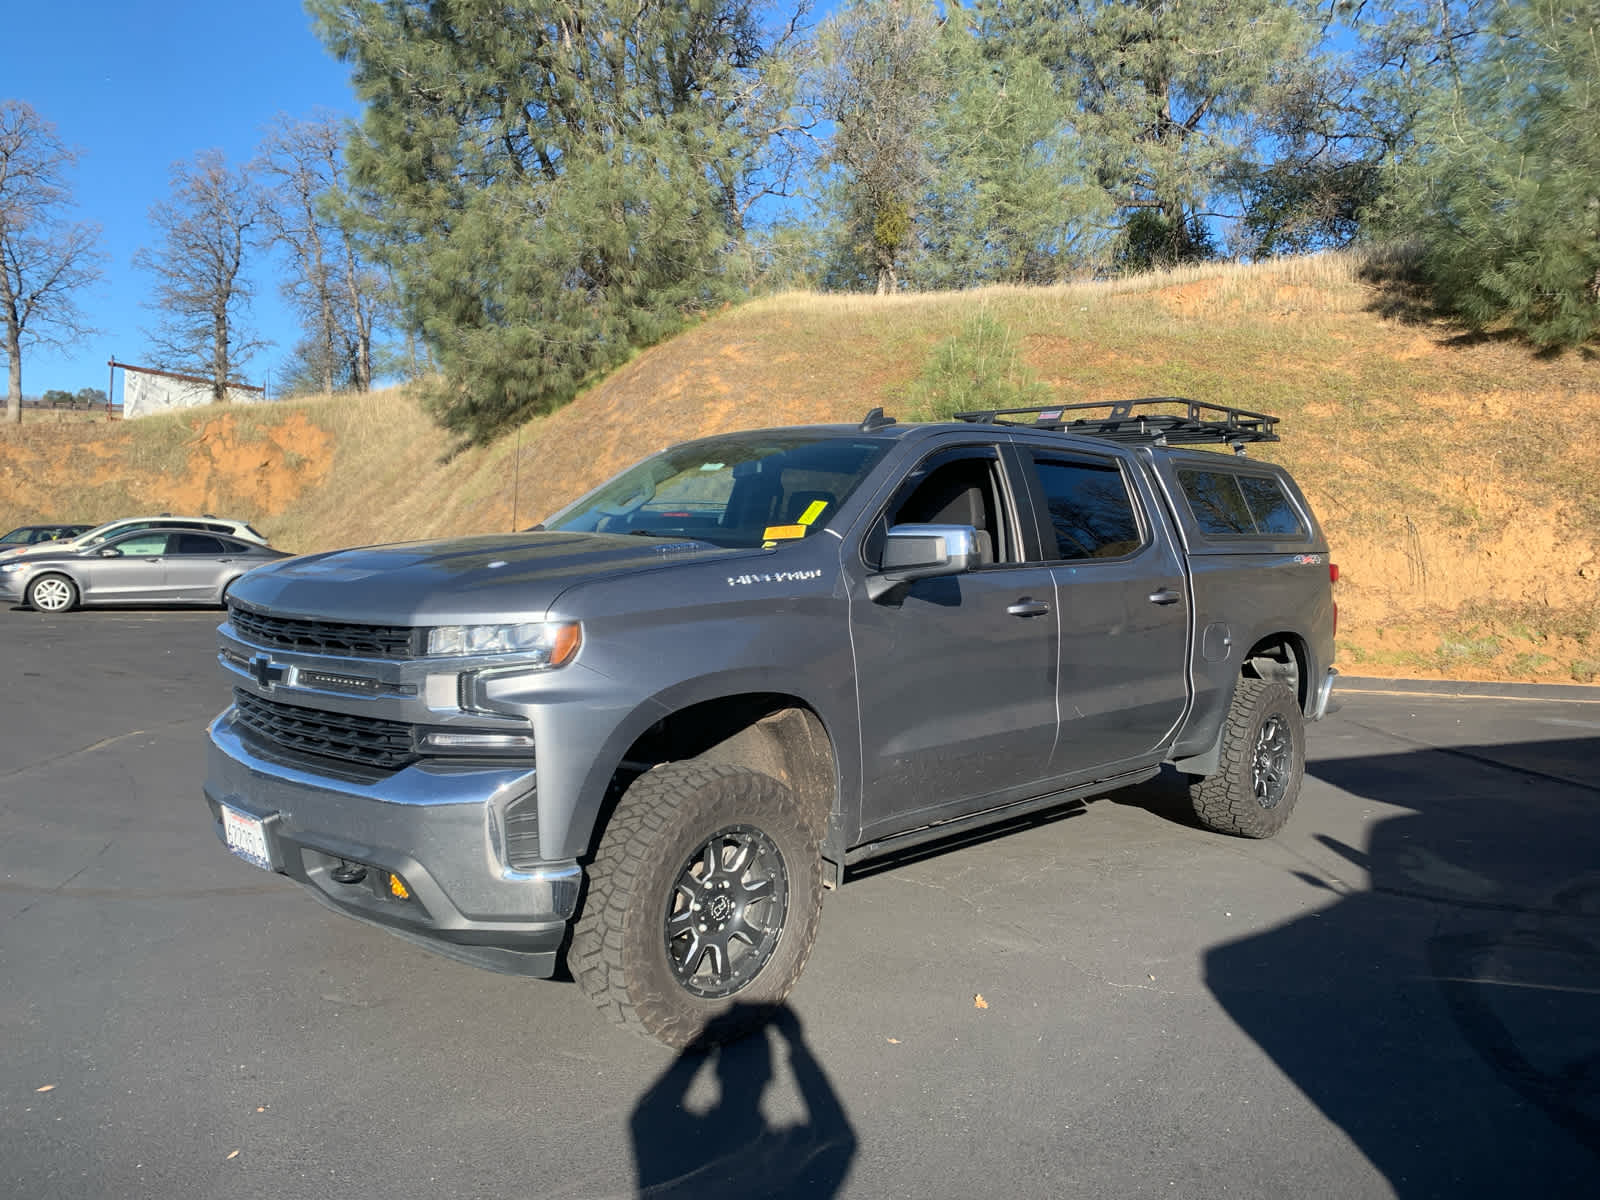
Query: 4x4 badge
(266, 671)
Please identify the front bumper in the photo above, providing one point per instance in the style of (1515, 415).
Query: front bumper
(438, 826)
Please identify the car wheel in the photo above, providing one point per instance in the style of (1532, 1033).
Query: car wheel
(1263, 761)
(52, 593)
(703, 903)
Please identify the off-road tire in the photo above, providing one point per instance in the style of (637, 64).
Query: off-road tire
(619, 953)
(1264, 729)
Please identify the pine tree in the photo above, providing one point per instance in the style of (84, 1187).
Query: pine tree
(1338, 123)
(1167, 93)
(1011, 199)
(552, 183)
(1508, 177)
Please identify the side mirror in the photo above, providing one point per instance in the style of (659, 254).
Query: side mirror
(912, 552)
(110, 552)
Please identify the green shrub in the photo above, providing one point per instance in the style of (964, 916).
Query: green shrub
(979, 368)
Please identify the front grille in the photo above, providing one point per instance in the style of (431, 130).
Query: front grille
(370, 741)
(325, 637)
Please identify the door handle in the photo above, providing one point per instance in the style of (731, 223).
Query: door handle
(1165, 596)
(1028, 607)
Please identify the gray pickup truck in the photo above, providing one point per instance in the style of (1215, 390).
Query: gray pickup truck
(642, 737)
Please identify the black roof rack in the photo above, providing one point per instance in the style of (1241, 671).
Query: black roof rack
(1120, 421)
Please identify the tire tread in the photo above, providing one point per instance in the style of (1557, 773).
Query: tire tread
(1225, 801)
(644, 818)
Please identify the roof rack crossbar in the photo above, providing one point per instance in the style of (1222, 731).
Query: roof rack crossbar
(1122, 420)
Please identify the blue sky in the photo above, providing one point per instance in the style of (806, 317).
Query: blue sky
(136, 86)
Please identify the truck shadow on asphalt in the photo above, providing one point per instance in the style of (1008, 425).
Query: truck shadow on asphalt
(728, 1149)
(1444, 1008)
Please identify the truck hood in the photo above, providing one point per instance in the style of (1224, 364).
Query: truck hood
(498, 577)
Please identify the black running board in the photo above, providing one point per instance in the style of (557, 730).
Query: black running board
(991, 816)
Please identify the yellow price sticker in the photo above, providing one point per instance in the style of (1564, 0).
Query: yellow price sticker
(783, 532)
(814, 510)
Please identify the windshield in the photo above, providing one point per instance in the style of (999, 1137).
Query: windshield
(754, 489)
(110, 529)
(16, 537)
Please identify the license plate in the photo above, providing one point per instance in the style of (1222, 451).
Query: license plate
(245, 837)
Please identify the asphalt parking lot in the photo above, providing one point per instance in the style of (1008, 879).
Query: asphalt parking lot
(1400, 995)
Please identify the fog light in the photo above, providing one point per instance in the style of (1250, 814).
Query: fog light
(398, 889)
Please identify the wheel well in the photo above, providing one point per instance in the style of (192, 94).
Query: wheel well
(775, 734)
(61, 575)
(1280, 657)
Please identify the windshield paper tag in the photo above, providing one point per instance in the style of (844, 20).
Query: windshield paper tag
(776, 532)
(813, 511)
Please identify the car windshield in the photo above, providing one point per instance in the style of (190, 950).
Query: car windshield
(16, 537)
(109, 530)
(755, 489)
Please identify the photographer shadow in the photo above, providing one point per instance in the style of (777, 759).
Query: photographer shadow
(1446, 1015)
(729, 1148)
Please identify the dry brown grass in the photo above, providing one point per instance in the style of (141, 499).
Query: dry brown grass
(1455, 477)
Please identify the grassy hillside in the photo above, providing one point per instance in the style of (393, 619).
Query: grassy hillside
(1456, 477)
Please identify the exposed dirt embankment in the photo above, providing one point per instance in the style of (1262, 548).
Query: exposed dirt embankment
(207, 461)
(1455, 478)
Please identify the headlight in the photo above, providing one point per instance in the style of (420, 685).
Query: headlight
(544, 643)
(9, 567)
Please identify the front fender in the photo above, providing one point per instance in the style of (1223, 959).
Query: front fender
(573, 792)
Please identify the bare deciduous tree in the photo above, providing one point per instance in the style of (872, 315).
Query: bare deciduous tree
(44, 259)
(200, 287)
(336, 295)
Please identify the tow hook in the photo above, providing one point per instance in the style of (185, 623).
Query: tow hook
(348, 872)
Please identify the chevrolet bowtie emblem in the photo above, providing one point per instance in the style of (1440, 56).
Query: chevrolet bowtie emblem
(266, 671)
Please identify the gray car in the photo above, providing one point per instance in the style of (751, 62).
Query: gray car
(146, 566)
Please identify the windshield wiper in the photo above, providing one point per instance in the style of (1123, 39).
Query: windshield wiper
(683, 539)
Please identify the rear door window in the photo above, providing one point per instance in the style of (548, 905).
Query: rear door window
(1089, 509)
(196, 543)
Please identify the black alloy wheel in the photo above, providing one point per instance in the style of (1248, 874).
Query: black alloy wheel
(1271, 766)
(726, 912)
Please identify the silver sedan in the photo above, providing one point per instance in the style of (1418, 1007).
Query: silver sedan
(149, 566)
